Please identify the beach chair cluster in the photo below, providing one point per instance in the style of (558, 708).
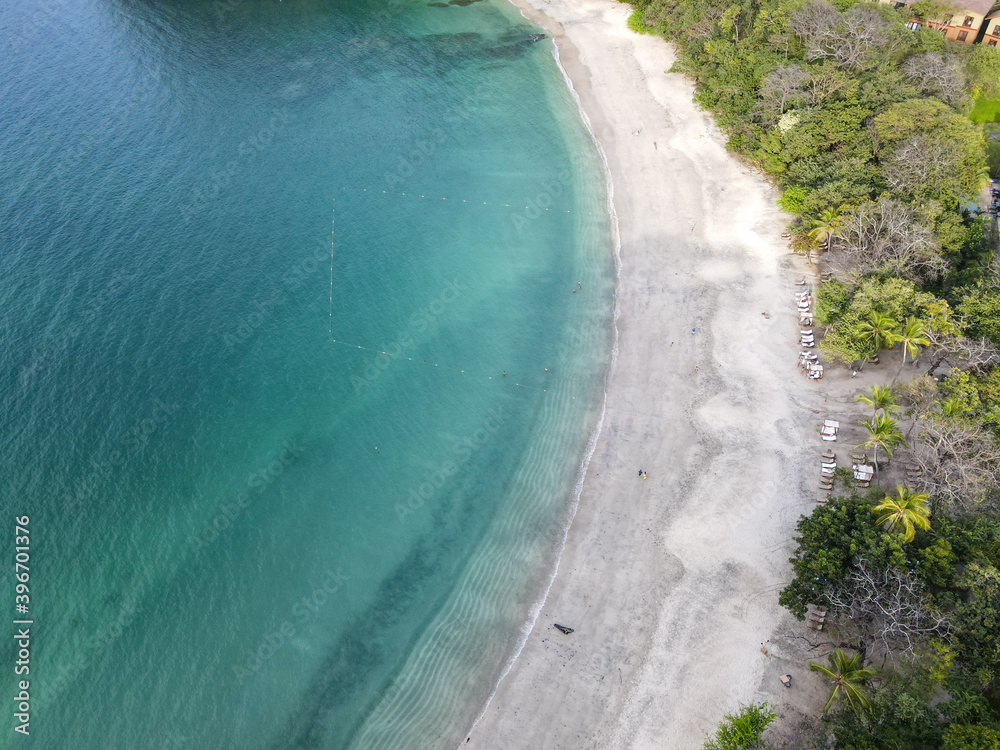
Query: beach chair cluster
(828, 461)
(828, 470)
(808, 361)
(863, 471)
(809, 364)
(816, 617)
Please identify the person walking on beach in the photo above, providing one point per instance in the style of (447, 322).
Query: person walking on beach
(640, 472)
(643, 475)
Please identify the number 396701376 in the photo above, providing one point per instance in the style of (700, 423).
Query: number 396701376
(21, 570)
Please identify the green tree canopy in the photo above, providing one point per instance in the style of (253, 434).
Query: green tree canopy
(848, 677)
(904, 513)
(830, 542)
(742, 730)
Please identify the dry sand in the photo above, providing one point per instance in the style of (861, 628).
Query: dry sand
(671, 583)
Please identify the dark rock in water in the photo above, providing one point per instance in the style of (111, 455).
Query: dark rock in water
(462, 3)
(536, 37)
(437, 5)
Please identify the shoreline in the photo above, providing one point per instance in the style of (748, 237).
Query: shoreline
(553, 691)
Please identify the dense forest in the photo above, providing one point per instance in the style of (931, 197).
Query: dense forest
(864, 123)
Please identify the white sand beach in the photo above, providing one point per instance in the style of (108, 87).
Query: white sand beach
(671, 583)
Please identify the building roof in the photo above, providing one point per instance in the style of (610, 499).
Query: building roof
(982, 7)
(994, 14)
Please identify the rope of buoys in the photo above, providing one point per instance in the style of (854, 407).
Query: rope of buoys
(333, 226)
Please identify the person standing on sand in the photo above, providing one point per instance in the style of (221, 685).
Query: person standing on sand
(640, 472)
(643, 475)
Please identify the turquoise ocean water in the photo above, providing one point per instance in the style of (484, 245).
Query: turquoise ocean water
(247, 532)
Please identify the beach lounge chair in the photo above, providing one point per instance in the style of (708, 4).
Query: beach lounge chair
(805, 320)
(829, 431)
(816, 372)
(863, 474)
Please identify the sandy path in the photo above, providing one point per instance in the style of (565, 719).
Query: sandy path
(671, 583)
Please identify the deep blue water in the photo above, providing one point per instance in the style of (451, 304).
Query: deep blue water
(246, 531)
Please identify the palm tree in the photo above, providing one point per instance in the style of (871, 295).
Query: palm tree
(904, 513)
(912, 337)
(951, 406)
(879, 330)
(848, 678)
(879, 397)
(883, 434)
(825, 226)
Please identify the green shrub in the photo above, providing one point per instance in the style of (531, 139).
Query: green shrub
(742, 730)
(637, 24)
(970, 737)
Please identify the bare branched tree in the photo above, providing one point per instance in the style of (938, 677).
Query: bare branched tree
(959, 464)
(782, 87)
(884, 235)
(889, 609)
(918, 161)
(938, 76)
(961, 352)
(812, 21)
(855, 39)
